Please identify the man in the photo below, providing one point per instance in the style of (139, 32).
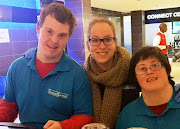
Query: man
(49, 89)
(160, 39)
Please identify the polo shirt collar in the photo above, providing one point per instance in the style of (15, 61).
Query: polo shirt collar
(63, 65)
(143, 109)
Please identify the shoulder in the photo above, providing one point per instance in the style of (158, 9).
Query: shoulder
(19, 62)
(75, 67)
(124, 55)
(131, 107)
(74, 64)
(123, 50)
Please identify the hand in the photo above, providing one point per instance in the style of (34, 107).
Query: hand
(29, 53)
(51, 124)
(177, 89)
(169, 47)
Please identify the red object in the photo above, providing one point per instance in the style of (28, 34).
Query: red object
(8, 111)
(44, 68)
(77, 121)
(163, 42)
(158, 109)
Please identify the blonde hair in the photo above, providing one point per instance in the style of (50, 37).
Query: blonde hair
(100, 20)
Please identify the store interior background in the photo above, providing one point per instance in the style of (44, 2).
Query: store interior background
(22, 31)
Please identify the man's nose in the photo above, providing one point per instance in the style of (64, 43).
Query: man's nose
(55, 39)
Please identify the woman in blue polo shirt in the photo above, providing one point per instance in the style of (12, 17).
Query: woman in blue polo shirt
(156, 108)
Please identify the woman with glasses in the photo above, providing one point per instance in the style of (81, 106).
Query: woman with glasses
(150, 71)
(107, 67)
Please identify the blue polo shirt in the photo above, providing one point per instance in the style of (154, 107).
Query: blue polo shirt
(138, 114)
(63, 92)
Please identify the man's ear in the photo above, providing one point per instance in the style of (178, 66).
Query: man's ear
(37, 29)
(88, 46)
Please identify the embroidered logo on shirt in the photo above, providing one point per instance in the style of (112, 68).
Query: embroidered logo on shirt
(58, 94)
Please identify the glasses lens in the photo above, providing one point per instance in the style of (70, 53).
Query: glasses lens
(153, 67)
(108, 41)
(156, 66)
(141, 71)
(95, 42)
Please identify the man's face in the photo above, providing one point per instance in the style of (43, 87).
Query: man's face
(53, 37)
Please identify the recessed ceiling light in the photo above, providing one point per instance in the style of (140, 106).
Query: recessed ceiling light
(158, 5)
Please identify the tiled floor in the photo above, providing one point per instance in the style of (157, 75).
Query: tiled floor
(175, 70)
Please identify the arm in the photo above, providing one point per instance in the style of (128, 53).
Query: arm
(122, 121)
(8, 111)
(76, 121)
(156, 42)
(8, 106)
(82, 105)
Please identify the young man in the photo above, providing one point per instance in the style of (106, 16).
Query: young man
(160, 39)
(49, 89)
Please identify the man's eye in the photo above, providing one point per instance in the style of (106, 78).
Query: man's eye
(49, 31)
(63, 35)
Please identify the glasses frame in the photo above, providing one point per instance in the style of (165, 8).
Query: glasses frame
(102, 40)
(150, 67)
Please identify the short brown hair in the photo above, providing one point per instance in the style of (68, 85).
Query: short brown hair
(61, 13)
(100, 20)
(143, 54)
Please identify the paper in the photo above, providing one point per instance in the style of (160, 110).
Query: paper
(4, 36)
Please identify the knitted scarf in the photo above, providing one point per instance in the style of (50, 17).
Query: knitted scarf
(107, 110)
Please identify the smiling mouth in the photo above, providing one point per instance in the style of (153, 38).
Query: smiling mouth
(52, 47)
(151, 79)
(102, 53)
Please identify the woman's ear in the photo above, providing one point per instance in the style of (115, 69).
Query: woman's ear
(116, 41)
(88, 46)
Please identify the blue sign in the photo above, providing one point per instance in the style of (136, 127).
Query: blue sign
(2, 84)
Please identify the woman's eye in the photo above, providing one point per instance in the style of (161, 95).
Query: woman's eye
(142, 69)
(155, 65)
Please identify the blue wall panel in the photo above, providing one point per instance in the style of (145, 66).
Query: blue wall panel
(19, 17)
(33, 4)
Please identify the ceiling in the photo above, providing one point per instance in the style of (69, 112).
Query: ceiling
(126, 6)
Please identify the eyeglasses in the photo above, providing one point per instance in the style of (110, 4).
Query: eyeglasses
(107, 41)
(153, 67)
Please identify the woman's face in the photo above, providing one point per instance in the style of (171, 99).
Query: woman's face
(102, 54)
(151, 80)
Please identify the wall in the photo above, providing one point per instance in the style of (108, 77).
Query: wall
(127, 33)
(76, 44)
(18, 19)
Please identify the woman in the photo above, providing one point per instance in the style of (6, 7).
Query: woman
(150, 71)
(107, 67)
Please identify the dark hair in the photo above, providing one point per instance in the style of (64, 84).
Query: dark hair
(143, 54)
(61, 13)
